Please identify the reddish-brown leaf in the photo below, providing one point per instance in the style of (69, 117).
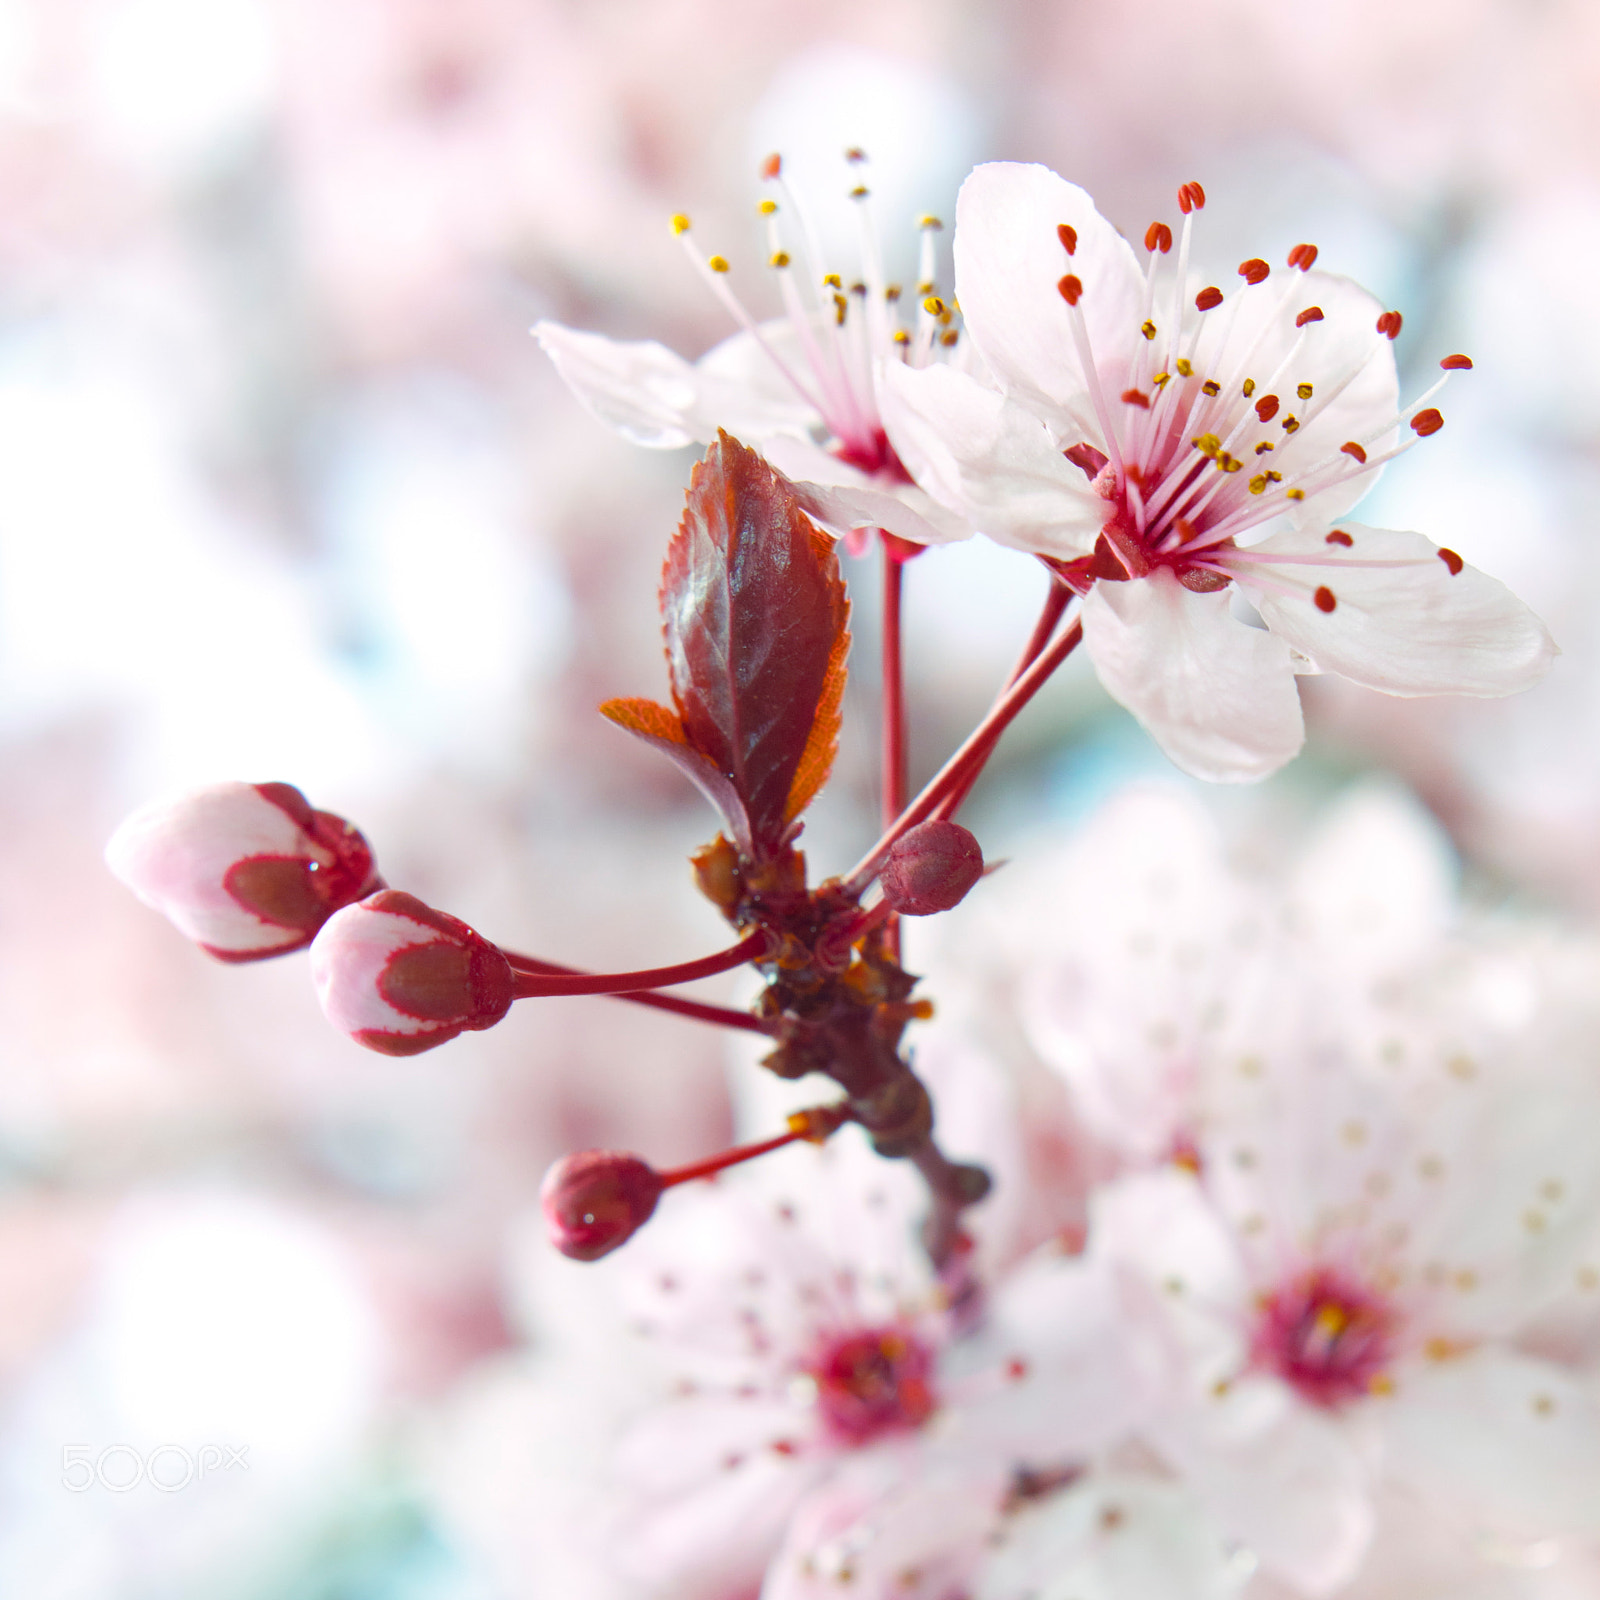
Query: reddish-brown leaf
(661, 727)
(754, 613)
(822, 744)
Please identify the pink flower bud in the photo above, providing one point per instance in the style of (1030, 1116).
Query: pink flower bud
(930, 868)
(400, 977)
(595, 1200)
(246, 870)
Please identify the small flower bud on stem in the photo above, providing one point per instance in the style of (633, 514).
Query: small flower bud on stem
(596, 1200)
(930, 868)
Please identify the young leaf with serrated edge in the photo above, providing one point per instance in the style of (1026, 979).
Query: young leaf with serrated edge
(754, 612)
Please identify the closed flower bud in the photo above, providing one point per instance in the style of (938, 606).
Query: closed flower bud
(930, 868)
(595, 1200)
(400, 977)
(246, 870)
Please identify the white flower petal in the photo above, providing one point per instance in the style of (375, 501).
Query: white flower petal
(1511, 1441)
(842, 497)
(744, 389)
(1008, 261)
(1288, 1482)
(1346, 361)
(990, 460)
(645, 391)
(1219, 697)
(1436, 627)
(1113, 1537)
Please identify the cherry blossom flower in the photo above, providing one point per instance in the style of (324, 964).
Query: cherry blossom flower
(400, 977)
(1135, 437)
(246, 870)
(803, 1336)
(802, 388)
(1365, 1175)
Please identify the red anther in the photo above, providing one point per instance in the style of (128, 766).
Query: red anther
(1339, 536)
(1070, 288)
(1389, 324)
(1351, 448)
(1254, 271)
(1324, 598)
(772, 166)
(1016, 1369)
(1207, 299)
(1267, 407)
(855, 154)
(1310, 314)
(1426, 422)
(1457, 363)
(1068, 235)
(1135, 397)
(595, 1200)
(1302, 256)
(1191, 197)
(1451, 560)
(930, 868)
(1158, 236)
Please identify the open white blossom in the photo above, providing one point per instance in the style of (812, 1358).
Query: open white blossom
(801, 388)
(1364, 1157)
(1135, 437)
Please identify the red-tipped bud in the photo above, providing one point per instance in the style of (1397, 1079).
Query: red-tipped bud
(930, 868)
(400, 977)
(595, 1200)
(246, 870)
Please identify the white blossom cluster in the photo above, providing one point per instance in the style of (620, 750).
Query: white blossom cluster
(1290, 1285)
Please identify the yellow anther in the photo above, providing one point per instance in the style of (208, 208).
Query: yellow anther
(1291, 423)
(901, 336)
(778, 258)
(892, 293)
(1211, 387)
(1148, 329)
(1303, 390)
(1228, 463)
(1185, 369)
(948, 337)
(1258, 484)
(832, 280)
(1249, 387)
(1161, 380)
(922, 1010)
(680, 223)
(1332, 1320)
(718, 263)
(841, 308)
(926, 288)
(1295, 494)
(929, 222)
(1263, 447)
(767, 207)
(859, 192)
(1380, 1383)
(934, 306)
(1208, 444)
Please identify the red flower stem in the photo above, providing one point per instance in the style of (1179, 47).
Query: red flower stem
(530, 985)
(700, 1010)
(1055, 603)
(814, 1125)
(969, 759)
(894, 708)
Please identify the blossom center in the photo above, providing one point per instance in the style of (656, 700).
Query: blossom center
(873, 1382)
(1325, 1336)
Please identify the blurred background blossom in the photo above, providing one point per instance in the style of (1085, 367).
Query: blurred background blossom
(287, 492)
